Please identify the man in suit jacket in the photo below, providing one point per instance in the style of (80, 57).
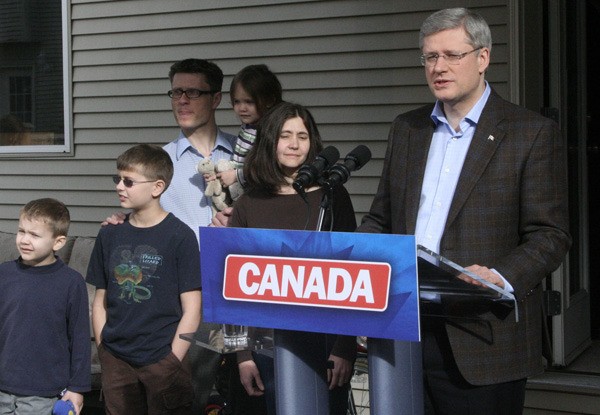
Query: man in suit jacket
(483, 182)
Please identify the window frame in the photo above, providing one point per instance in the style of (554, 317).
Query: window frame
(66, 148)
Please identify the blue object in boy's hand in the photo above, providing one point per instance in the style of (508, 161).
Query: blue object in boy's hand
(63, 408)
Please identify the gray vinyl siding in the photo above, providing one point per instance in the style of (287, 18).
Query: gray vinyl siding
(354, 63)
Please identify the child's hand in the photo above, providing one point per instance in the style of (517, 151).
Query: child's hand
(228, 177)
(209, 177)
(75, 398)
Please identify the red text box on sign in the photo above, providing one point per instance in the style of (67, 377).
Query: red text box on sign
(308, 282)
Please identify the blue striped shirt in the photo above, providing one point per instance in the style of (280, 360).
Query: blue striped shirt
(185, 196)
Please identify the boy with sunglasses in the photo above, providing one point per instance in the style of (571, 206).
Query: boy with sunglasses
(147, 277)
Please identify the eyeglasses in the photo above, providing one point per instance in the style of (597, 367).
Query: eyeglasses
(451, 58)
(191, 93)
(128, 182)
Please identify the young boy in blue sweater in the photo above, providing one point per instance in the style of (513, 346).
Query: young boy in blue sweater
(147, 277)
(44, 318)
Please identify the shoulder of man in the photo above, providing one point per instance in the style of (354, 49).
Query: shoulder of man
(497, 105)
(418, 117)
(171, 146)
(227, 136)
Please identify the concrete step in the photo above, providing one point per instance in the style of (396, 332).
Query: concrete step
(561, 392)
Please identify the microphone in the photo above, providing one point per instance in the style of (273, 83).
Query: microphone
(63, 408)
(340, 173)
(310, 173)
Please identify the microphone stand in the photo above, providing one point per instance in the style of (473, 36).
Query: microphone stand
(324, 206)
(296, 367)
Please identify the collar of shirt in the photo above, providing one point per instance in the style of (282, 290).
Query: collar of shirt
(183, 144)
(445, 159)
(471, 119)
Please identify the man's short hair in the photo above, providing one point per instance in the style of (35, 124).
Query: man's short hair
(49, 211)
(150, 160)
(476, 27)
(212, 73)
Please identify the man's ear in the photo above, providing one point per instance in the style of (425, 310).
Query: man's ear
(217, 96)
(484, 60)
(59, 242)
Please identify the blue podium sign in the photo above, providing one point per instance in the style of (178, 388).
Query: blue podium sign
(329, 282)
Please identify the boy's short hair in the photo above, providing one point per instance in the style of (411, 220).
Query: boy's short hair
(50, 211)
(149, 160)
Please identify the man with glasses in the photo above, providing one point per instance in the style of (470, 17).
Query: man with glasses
(195, 95)
(483, 182)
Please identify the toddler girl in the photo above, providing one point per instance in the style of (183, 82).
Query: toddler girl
(253, 91)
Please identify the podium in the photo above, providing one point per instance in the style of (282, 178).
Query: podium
(439, 283)
(352, 284)
(395, 367)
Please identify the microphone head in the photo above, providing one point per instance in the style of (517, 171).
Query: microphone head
(360, 155)
(310, 173)
(330, 154)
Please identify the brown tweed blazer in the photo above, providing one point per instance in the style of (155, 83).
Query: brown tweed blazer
(509, 212)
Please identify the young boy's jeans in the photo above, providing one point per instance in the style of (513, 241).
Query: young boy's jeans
(25, 405)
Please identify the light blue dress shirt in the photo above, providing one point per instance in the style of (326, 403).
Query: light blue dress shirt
(185, 196)
(444, 164)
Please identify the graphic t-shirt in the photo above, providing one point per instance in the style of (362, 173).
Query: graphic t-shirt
(144, 270)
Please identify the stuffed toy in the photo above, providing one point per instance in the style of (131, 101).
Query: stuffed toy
(236, 189)
(214, 190)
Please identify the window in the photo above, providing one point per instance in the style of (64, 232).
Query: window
(34, 103)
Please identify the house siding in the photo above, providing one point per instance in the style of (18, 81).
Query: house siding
(354, 63)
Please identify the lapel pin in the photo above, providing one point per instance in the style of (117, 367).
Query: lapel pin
(491, 138)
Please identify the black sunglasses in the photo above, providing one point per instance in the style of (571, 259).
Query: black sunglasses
(128, 182)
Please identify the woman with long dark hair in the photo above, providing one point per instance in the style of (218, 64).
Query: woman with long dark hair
(287, 138)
